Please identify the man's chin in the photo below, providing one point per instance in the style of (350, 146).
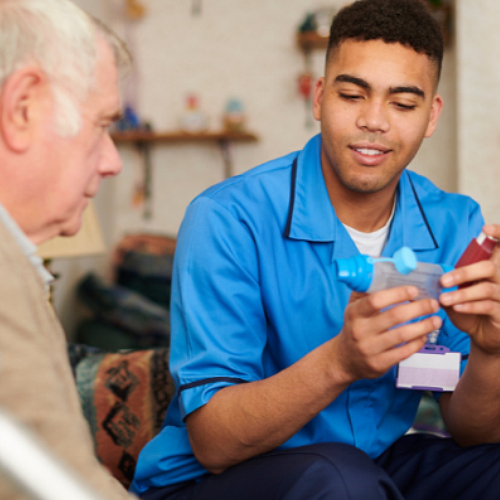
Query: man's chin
(368, 184)
(71, 228)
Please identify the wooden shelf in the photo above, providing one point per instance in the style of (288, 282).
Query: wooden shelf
(144, 141)
(179, 136)
(311, 40)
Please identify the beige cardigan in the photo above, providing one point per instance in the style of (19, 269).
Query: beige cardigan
(36, 383)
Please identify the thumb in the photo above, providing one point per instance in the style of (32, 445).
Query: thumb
(355, 296)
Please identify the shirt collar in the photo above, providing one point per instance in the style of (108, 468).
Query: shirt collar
(312, 217)
(27, 246)
(311, 214)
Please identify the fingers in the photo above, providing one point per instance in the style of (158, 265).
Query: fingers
(492, 230)
(376, 333)
(483, 308)
(356, 296)
(375, 365)
(484, 290)
(408, 333)
(403, 313)
(385, 330)
(375, 302)
(398, 354)
(366, 316)
(480, 271)
(481, 298)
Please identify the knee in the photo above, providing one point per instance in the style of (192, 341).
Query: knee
(336, 470)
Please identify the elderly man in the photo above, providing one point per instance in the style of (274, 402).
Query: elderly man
(59, 94)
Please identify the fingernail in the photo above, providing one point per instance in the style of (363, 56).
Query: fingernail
(446, 299)
(447, 280)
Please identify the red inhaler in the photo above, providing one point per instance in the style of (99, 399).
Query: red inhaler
(479, 249)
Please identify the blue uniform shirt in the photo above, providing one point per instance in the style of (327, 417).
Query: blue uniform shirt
(254, 291)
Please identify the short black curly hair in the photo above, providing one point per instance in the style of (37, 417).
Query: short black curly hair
(407, 22)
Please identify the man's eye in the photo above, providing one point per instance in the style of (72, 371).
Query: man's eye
(350, 97)
(404, 107)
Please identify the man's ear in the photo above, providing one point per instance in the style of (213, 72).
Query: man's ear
(23, 98)
(319, 88)
(436, 108)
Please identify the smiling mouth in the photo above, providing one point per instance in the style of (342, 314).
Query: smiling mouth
(369, 152)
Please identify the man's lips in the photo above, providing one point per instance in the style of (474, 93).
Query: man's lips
(370, 155)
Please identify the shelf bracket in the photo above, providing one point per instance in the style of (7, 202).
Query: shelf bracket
(145, 151)
(225, 149)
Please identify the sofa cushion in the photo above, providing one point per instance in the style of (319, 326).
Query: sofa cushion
(124, 398)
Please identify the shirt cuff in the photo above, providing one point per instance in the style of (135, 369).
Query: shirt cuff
(197, 394)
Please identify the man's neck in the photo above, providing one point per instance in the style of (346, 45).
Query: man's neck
(365, 212)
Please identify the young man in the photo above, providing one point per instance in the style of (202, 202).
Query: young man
(58, 94)
(286, 379)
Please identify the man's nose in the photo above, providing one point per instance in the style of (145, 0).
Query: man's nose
(373, 117)
(111, 162)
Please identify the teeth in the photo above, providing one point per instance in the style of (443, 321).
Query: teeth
(369, 152)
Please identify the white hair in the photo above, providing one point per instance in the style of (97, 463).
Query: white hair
(62, 39)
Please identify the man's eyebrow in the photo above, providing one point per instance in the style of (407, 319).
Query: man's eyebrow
(116, 117)
(111, 117)
(343, 78)
(402, 89)
(407, 90)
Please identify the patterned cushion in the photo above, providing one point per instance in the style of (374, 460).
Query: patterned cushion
(124, 398)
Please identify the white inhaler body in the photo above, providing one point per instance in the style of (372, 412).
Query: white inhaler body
(363, 273)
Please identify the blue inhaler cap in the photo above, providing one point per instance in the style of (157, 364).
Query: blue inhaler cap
(405, 260)
(356, 272)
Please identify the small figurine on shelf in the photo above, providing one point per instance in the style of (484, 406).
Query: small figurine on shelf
(307, 24)
(318, 21)
(234, 118)
(129, 120)
(323, 18)
(193, 120)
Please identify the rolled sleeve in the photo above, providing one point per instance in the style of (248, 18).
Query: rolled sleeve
(194, 396)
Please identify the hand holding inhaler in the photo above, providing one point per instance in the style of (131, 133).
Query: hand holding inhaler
(475, 307)
(428, 367)
(379, 328)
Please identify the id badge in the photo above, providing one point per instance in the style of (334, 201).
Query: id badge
(433, 368)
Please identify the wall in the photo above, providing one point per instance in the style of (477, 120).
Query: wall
(478, 120)
(243, 48)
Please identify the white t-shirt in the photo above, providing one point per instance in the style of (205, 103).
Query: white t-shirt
(371, 243)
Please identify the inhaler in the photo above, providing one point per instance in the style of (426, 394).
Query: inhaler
(479, 249)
